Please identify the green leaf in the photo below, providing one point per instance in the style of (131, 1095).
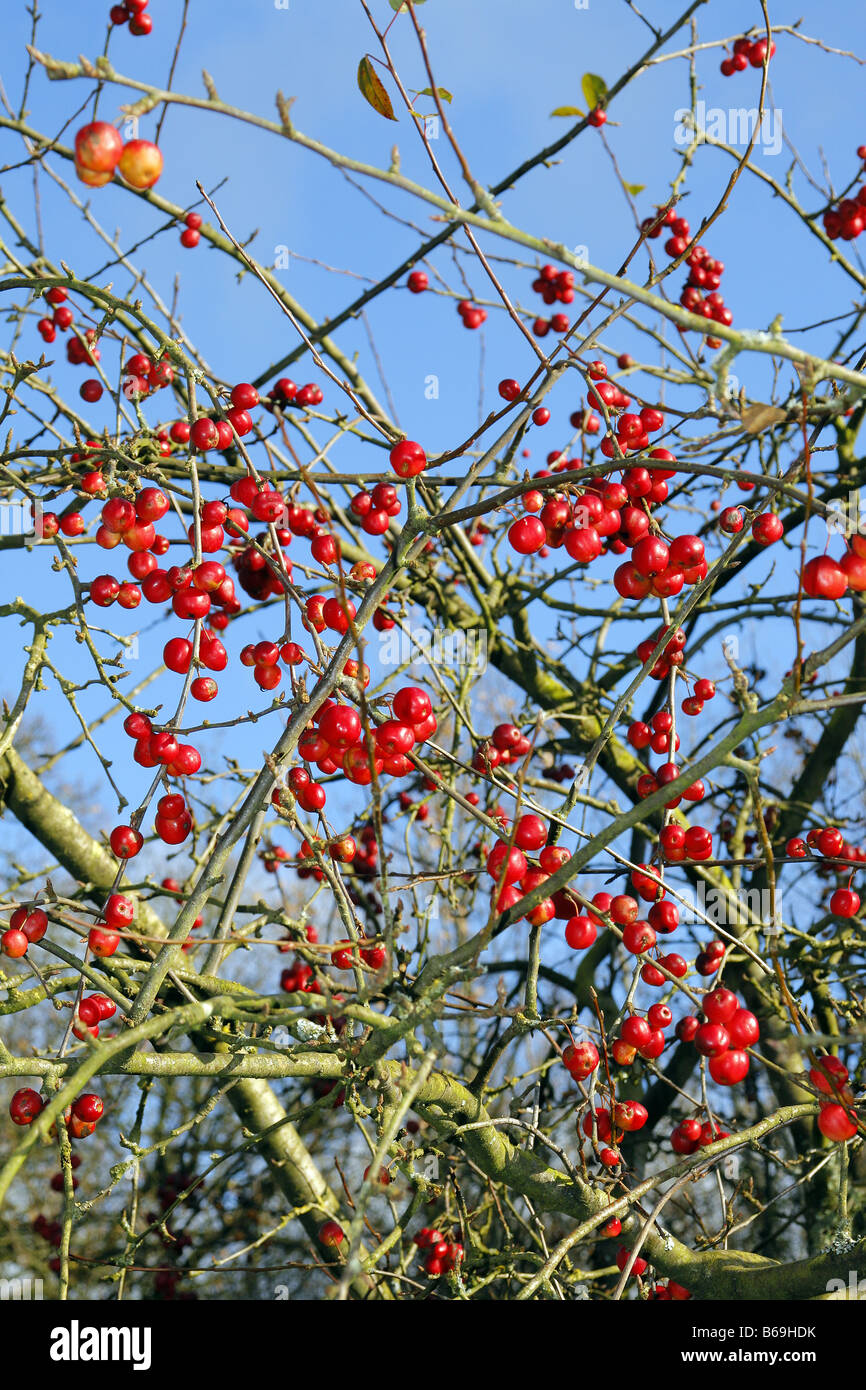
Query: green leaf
(594, 89)
(635, 188)
(567, 111)
(372, 89)
(443, 92)
(399, 5)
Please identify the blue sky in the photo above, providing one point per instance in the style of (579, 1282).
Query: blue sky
(507, 66)
(506, 75)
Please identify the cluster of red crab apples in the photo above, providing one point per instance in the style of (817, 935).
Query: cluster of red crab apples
(100, 150)
(81, 1117)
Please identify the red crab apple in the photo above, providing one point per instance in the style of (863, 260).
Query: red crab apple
(730, 1067)
(102, 943)
(636, 1031)
(743, 1029)
(33, 924)
(88, 1108)
(125, 841)
(719, 1005)
(408, 459)
(580, 932)
(98, 147)
(767, 529)
(13, 943)
(91, 178)
(581, 1059)
(712, 1039)
(140, 164)
(824, 578)
(630, 1115)
(24, 1106)
(331, 1234)
(829, 1075)
(836, 1123)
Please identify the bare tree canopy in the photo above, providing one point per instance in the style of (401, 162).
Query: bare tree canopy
(431, 755)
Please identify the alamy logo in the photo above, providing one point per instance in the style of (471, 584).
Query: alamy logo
(740, 908)
(846, 517)
(855, 1289)
(736, 126)
(21, 518)
(20, 1290)
(77, 1343)
(426, 1165)
(439, 647)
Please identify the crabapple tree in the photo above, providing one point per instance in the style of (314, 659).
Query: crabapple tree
(432, 817)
